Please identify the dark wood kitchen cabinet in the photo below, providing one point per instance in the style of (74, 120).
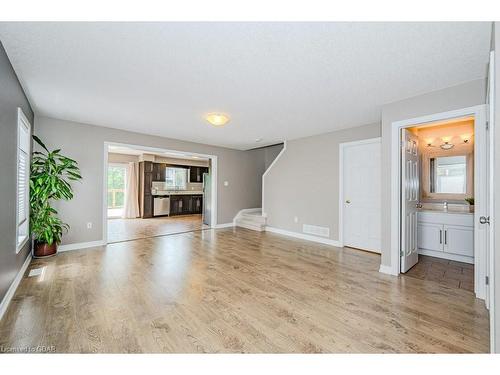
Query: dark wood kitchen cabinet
(176, 205)
(186, 204)
(197, 202)
(159, 171)
(146, 169)
(196, 173)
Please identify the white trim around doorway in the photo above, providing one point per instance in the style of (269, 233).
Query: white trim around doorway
(479, 113)
(213, 169)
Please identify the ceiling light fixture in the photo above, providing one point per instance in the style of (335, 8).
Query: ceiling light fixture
(217, 119)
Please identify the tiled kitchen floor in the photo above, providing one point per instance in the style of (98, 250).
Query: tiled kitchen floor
(447, 272)
(132, 229)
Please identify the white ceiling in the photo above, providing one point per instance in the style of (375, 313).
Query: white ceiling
(277, 81)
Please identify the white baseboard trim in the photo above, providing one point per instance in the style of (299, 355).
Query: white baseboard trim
(80, 245)
(13, 287)
(225, 225)
(302, 236)
(387, 270)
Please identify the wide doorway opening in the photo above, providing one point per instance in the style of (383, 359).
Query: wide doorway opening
(154, 192)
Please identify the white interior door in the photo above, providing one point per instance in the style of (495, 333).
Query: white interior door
(409, 199)
(361, 166)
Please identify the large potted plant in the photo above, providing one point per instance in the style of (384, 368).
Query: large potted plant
(50, 178)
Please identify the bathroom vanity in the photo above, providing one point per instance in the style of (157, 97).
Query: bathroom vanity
(446, 234)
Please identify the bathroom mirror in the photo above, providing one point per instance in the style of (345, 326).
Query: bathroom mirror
(447, 175)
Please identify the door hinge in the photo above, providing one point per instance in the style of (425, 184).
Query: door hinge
(401, 253)
(487, 125)
(487, 280)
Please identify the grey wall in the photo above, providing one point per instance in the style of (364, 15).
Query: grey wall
(11, 97)
(456, 97)
(304, 181)
(85, 143)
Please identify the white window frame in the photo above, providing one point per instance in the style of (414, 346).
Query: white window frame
(22, 121)
(125, 178)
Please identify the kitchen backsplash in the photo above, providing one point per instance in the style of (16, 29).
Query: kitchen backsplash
(194, 186)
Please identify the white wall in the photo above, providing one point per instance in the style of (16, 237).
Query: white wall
(304, 181)
(456, 97)
(85, 143)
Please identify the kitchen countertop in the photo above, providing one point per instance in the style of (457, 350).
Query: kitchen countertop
(179, 192)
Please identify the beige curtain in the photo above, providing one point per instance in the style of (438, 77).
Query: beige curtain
(131, 210)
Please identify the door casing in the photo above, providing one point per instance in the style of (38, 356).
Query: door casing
(479, 113)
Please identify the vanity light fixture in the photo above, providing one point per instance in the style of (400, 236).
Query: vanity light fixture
(217, 119)
(447, 145)
(466, 137)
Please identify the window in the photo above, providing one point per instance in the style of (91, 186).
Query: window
(23, 174)
(176, 178)
(449, 174)
(116, 189)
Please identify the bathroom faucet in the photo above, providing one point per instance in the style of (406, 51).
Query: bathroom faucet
(445, 205)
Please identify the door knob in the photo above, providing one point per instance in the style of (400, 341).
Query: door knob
(348, 201)
(484, 220)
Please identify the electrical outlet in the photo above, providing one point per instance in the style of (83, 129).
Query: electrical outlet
(295, 219)
(89, 225)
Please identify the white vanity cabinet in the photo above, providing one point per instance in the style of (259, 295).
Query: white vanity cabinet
(448, 235)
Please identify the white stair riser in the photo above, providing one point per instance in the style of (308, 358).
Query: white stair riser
(254, 218)
(259, 228)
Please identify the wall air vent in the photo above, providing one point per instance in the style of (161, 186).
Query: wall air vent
(316, 230)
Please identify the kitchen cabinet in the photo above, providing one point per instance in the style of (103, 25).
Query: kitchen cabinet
(146, 169)
(446, 235)
(159, 171)
(197, 204)
(196, 173)
(186, 204)
(176, 205)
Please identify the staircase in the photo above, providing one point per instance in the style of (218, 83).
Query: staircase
(251, 219)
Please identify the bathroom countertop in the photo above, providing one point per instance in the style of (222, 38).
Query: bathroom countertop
(443, 211)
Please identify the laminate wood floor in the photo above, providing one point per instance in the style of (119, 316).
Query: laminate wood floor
(236, 290)
(134, 229)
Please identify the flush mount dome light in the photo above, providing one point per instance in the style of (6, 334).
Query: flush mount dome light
(217, 119)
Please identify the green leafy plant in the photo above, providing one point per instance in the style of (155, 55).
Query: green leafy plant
(470, 201)
(50, 178)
